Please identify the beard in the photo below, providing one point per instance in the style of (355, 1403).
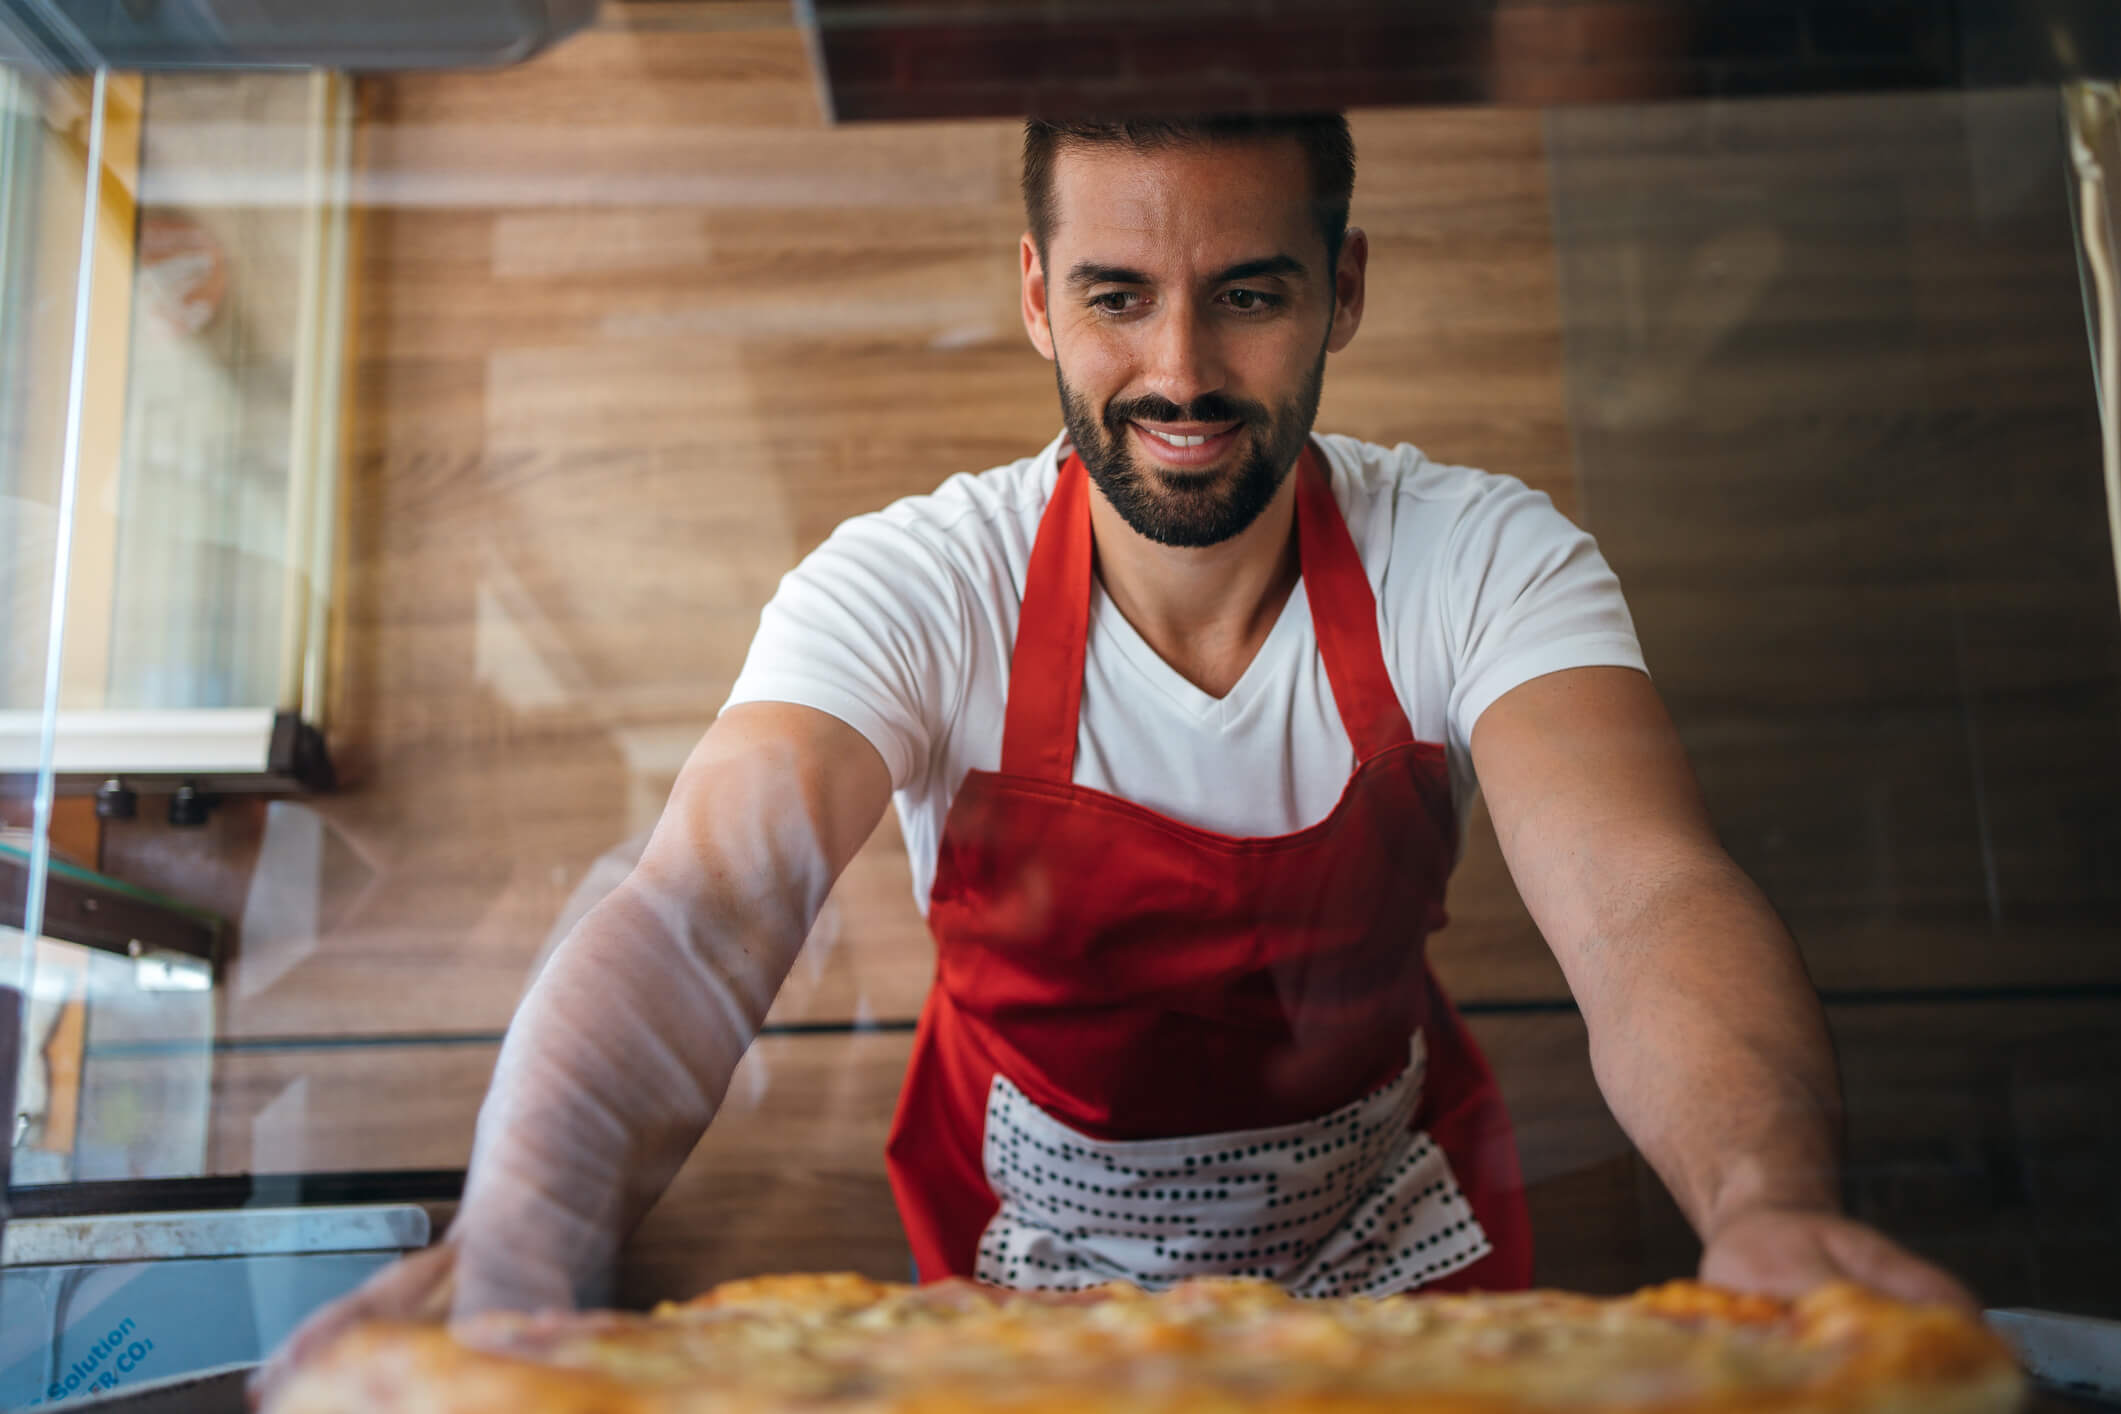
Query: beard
(1192, 509)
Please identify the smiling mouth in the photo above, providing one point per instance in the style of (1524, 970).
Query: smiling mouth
(1186, 444)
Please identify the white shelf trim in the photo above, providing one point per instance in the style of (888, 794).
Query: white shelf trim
(223, 741)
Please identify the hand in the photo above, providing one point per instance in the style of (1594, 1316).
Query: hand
(418, 1288)
(1786, 1252)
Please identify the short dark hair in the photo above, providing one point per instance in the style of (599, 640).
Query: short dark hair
(1329, 153)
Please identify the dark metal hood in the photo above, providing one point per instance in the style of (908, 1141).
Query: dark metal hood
(73, 35)
(966, 58)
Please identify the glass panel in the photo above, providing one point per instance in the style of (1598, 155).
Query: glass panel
(118, 1034)
(35, 323)
(2094, 114)
(201, 551)
(626, 333)
(48, 129)
(48, 140)
(210, 551)
(205, 528)
(117, 1064)
(1832, 429)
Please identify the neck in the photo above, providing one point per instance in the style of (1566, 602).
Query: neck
(1206, 611)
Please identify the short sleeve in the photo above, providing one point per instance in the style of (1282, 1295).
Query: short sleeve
(870, 628)
(1528, 594)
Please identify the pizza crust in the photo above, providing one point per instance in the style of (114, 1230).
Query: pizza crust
(842, 1344)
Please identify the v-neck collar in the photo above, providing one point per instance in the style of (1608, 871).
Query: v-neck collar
(1053, 631)
(1282, 646)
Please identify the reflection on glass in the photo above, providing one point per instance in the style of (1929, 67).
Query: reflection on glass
(50, 135)
(54, 311)
(115, 1065)
(2094, 111)
(637, 331)
(205, 448)
(211, 552)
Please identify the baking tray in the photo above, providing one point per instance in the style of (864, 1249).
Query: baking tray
(221, 1392)
(215, 1391)
(2077, 1359)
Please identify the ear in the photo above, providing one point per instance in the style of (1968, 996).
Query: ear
(1036, 322)
(1349, 282)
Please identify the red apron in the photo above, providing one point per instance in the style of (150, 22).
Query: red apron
(1135, 978)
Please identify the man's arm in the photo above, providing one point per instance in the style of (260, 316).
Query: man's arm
(1706, 1036)
(625, 1045)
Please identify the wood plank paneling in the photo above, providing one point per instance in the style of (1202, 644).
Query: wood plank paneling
(789, 1178)
(795, 1100)
(635, 332)
(561, 554)
(1983, 1135)
(1989, 1137)
(330, 1110)
(1835, 433)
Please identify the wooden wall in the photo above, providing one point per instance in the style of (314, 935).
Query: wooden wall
(1833, 424)
(636, 331)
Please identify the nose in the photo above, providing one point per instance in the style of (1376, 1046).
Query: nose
(1184, 360)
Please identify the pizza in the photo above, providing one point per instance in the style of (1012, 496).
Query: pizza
(842, 1344)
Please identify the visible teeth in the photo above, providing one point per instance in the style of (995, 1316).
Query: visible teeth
(1175, 441)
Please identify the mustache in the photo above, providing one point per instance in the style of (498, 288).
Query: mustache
(1208, 407)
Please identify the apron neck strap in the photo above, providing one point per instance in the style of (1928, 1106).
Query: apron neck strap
(1045, 694)
(1046, 668)
(1344, 616)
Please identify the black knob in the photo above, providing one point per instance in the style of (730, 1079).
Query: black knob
(116, 801)
(190, 806)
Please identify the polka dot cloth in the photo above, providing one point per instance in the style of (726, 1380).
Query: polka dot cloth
(1353, 1203)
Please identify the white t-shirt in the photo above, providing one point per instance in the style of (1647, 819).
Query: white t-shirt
(901, 625)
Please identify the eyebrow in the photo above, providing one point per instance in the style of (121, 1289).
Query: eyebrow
(1253, 269)
(1089, 272)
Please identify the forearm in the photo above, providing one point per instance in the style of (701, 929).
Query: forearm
(624, 1048)
(612, 1068)
(1706, 1035)
(1709, 1044)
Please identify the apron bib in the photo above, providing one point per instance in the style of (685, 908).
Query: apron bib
(1153, 1051)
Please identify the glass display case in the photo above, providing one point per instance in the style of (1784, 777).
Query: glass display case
(395, 462)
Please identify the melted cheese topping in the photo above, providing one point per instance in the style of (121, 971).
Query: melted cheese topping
(773, 1343)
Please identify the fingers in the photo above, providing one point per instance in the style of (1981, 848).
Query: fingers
(322, 1327)
(1875, 1260)
(417, 1288)
(1788, 1254)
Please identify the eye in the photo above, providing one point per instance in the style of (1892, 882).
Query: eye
(1250, 301)
(1114, 301)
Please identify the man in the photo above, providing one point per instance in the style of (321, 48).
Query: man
(1179, 716)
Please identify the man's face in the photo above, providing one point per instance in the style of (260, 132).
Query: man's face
(1185, 301)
